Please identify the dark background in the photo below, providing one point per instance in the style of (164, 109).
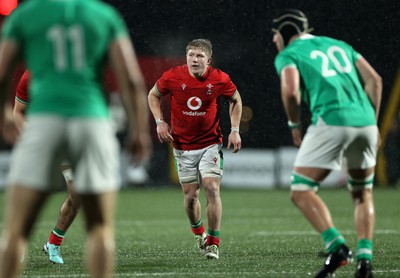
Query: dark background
(242, 39)
(240, 31)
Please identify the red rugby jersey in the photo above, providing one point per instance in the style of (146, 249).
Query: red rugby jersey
(22, 94)
(195, 105)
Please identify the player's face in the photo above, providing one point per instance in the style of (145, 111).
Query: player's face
(197, 62)
(278, 40)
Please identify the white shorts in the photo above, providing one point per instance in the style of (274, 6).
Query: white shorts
(325, 147)
(197, 164)
(89, 145)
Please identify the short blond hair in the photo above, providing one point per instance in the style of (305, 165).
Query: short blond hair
(203, 44)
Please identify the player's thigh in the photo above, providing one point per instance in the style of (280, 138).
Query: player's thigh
(22, 210)
(37, 155)
(322, 147)
(99, 209)
(212, 162)
(187, 165)
(94, 155)
(361, 152)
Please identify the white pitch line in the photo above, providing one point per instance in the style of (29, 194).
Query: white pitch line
(207, 274)
(307, 233)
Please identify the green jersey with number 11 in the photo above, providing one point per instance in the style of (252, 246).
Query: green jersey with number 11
(329, 81)
(65, 44)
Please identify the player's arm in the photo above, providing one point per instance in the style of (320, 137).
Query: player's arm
(9, 54)
(125, 66)
(372, 83)
(291, 99)
(235, 113)
(163, 129)
(19, 113)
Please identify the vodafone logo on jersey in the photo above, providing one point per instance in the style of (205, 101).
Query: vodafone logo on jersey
(194, 104)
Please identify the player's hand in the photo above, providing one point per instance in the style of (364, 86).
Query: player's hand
(235, 140)
(296, 135)
(9, 126)
(164, 133)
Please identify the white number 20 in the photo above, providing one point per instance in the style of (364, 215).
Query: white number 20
(61, 37)
(330, 57)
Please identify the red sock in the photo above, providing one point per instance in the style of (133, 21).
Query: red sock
(54, 239)
(212, 240)
(199, 230)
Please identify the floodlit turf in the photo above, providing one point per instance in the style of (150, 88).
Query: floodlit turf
(262, 235)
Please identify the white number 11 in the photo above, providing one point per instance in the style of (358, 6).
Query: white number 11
(61, 37)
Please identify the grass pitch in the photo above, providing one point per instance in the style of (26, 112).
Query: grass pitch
(262, 235)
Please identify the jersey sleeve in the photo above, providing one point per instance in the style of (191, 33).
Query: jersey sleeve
(161, 85)
(118, 26)
(229, 88)
(11, 28)
(21, 93)
(282, 61)
(354, 54)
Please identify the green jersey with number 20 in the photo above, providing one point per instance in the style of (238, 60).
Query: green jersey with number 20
(329, 81)
(65, 44)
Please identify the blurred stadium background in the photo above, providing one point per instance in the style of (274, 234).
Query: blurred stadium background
(263, 234)
(242, 39)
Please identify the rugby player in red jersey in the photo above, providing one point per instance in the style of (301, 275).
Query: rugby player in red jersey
(70, 207)
(195, 133)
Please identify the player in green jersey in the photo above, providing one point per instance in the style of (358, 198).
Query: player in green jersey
(343, 93)
(65, 45)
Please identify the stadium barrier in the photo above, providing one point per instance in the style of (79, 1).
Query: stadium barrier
(267, 169)
(250, 168)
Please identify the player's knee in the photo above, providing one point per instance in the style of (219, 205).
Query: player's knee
(303, 183)
(191, 199)
(361, 195)
(357, 185)
(211, 187)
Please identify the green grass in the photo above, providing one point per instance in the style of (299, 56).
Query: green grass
(262, 235)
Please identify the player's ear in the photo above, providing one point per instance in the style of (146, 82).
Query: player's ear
(209, 60)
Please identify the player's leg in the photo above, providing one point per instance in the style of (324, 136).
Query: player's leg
(94, 154)
(360, 183)
(318, 214)
(320, 152)
(98, 210)
(68, 212)
(33, 166)
(305, 183)
(70, 207)
(186, 166)
(211, 169)
(22, 207)
(214, 215)
(192, 208)
(361, 161)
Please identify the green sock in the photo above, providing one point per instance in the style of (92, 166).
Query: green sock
(364, 249)
(213, 233)
(332, 239)
(58, 232)
(198, 224)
